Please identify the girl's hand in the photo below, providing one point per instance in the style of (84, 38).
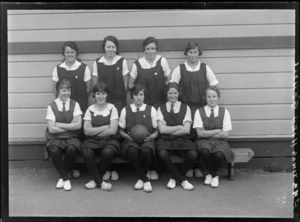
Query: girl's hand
(149, 138)
(128, 137)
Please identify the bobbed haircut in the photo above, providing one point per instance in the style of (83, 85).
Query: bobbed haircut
(136, 89)
(175, 86)
(214, 88)
(113, 39)
(63, 83)
(149, 40)
(72, 45)
(100, 87)
(192, 45)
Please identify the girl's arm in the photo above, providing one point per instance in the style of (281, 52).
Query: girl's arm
(125, 79)
(95, 80)
(153, 136)
(74, 125)
(111, 130)
(202, 133)
(54, 88)
(125, 135)
(221, 135)
(184, 130)
(88, 85)
(164, 129)
(89, 130)
(54, 129)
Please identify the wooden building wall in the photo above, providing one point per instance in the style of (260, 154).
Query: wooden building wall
(250, 51)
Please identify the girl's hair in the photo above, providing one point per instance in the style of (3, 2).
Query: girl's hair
(192, 45)
(113, 39)
(136, 89)
(173, 85)
(72, 45)
(63, 83)
(214, 88)
(100, 87)
(149, 40)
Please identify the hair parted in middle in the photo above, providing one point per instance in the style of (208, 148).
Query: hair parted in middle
(100, 87)
(149, 40)
(113, 39)
(192, 45)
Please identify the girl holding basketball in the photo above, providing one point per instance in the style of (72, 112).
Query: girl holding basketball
(140, 155)
(213, 124)
(174, 124)
(100, 128)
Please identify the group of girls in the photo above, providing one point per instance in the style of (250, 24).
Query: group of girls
(180, 111)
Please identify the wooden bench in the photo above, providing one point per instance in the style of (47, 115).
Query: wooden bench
(241, 155)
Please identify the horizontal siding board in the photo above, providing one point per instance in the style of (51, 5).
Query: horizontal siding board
(240, 128)
(218, 65)
(159, 32)
(245, 112)
(168, 44)
(229, 97)
(227, 81)
(157, 18)
(168, 54)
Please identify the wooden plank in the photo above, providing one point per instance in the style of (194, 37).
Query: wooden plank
(117, 19)
(167, 54)
(38, 85)
(229, 97)
(242, 112)
(229, 31)
(240, 128)
(167, 44)
(218, 65)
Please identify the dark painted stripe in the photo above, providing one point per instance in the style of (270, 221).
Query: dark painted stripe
(164, 45)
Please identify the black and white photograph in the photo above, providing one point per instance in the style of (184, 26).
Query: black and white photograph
(150, 113)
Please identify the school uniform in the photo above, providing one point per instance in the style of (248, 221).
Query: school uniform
(78, 75)
(182, 114)
(152, 77)
(193, 83)
(101, 118)
(112, 75)
(55, 113)
(221, 120)
(130, 117)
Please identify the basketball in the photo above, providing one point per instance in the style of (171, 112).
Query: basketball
(139, 133)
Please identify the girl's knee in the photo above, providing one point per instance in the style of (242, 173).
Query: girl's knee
(54, 150)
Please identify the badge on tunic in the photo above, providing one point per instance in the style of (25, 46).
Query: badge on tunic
(76, 77)
(144, 116)
(155, 73)
(118, 68)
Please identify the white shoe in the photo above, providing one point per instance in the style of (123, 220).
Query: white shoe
(215, 182)
(106, 176)
(147, 187)
(208, 179)
(139, 185)
(148, 175)
(186, 185)
(91, 184)
(60, 183)
(76, 173)
(105, 186)
(171, 184)
(198, 173)
(114, 175)
(67, 185)
(189, 173)
(153, 175)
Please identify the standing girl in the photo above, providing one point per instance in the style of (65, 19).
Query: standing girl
(213, 124)
(174, 124)
(152, 71)
(139, 155)
(76, 72)
(112, 69)
(100, 128)
(64, 122)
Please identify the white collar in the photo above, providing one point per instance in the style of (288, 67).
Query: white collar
(74, 66)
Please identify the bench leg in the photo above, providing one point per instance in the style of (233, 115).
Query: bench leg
(230, 171)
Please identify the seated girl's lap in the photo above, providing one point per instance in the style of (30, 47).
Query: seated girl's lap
(63, 143)
(98, 145)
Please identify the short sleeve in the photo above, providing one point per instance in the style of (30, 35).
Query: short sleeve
(55, 75)
(133, 73)
(165, 66)
(122, 120)
(227, 121)
(95, 69)
(176, 76)
(87, 115)
(154, 117)
(211, 76)
(50, 114)
(87, 74)
(77, 111)
(125, 69)
(188, 116)
(197, 120)
(160, 116)
(114, 114)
